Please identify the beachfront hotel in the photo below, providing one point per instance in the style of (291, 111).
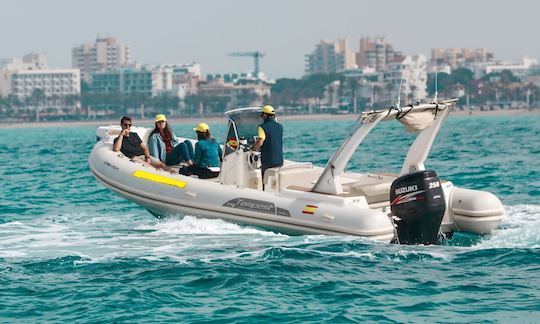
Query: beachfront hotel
(53, 82)
(21, 77)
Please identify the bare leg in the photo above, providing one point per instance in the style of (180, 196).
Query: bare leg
(155, 163)
(161, 165)
(137, 159)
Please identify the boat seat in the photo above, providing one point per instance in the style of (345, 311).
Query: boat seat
(269, 179)
(270, 173)
(300, 176)
(299, 188)
(113, 132)
(373, 192)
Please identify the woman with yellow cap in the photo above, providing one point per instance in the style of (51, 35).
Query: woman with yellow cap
(165, 146)
(208, 155)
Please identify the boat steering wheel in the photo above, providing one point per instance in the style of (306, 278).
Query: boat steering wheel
(254, 160)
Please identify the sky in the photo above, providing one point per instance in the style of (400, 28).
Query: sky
(204, 31)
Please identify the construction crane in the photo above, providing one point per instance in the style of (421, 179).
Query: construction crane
(257, 55)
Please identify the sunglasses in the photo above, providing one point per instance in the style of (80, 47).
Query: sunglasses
(127, 125)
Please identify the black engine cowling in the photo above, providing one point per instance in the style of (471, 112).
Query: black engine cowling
(417, 200)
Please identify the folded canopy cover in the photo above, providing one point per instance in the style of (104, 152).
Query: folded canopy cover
(416, 121)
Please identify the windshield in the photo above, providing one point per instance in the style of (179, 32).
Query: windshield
(242, 125)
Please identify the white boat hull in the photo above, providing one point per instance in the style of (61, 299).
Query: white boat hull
(209, 199)
(299, 198)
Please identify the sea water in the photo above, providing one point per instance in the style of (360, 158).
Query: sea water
(72, 251)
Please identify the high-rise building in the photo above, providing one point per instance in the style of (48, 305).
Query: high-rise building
(376, 53)
(330, 57)
(104, 54)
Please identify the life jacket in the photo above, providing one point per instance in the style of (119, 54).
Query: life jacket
(272, 147)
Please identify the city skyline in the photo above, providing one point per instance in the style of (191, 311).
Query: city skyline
(206, 31)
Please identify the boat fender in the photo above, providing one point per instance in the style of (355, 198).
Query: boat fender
(418, 205)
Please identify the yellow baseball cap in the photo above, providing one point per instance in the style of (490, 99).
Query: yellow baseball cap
(202, 128)
(160, 117)
(268, 110)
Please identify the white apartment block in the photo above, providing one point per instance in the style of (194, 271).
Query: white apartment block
(21, 77)
(163, 76)
(53, 82)
(104, 54)
(185, 78)
(408, 78)
(520, 69)
(9, 66)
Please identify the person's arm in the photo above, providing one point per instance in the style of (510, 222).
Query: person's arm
(260, 140)
(147, 157)
(118, 142)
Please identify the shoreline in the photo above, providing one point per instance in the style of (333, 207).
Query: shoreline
(215, 119)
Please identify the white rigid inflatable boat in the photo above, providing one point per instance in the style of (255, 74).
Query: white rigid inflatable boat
(300, 198)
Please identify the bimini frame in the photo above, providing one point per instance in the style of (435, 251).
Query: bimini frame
(330, 182)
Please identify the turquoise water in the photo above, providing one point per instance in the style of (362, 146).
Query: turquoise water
(72, 251)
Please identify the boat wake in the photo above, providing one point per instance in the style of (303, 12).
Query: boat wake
(200, 226)
(94, 238)
(521, 229)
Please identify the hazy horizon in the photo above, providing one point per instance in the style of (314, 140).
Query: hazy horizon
(166, 31)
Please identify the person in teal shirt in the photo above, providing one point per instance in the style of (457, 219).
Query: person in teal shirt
(208, 155)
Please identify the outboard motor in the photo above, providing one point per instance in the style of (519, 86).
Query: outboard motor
(417, 201)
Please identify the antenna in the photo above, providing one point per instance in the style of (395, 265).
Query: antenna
(436, 86)
(398, 103)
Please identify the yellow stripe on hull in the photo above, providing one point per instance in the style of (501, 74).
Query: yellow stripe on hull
(159, 179)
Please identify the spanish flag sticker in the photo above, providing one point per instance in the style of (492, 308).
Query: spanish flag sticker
(310, 209)
(159, 179)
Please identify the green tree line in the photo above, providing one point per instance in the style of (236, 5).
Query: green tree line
(500, 86)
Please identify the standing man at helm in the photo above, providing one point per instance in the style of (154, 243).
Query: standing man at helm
(270, 141)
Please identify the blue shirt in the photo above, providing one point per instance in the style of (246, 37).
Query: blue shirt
(207, 153)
